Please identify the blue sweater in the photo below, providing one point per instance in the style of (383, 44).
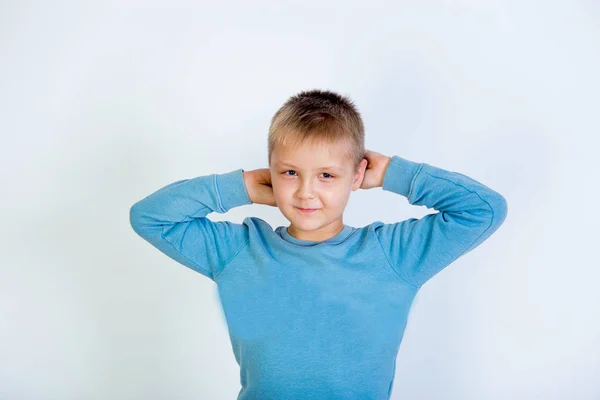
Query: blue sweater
(319, 320)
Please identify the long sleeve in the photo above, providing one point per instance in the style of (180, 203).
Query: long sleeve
(173, 219)
(468, 213)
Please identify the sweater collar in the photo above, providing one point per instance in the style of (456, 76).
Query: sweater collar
(343, 234)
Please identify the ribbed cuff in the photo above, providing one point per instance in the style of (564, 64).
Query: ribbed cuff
(232, 189)
(399, 175)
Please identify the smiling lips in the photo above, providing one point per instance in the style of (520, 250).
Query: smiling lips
(307, 210)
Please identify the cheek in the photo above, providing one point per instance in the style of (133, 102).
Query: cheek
(333, 197)
(282, 192)
(339, 195)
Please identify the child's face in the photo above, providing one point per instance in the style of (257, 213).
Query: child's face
(314, 177)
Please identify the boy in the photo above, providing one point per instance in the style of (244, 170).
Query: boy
(317, 310)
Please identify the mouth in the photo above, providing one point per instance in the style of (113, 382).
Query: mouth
(307, 210)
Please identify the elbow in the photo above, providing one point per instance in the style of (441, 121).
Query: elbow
(500, 209)
(135, 219)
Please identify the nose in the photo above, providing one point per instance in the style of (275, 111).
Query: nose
(306, 190)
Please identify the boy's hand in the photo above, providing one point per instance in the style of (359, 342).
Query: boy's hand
(376, 167)
(259, 187)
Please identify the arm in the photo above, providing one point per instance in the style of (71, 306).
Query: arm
(468, 213)
(174, 220)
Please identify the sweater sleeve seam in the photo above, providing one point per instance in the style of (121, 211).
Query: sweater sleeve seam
(414, 178)
(217, 191)
(232, 258)
(206, 271)
(392, 267)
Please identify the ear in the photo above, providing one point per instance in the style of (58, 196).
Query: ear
(360, 174)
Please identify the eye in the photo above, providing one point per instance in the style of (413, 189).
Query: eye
(329, 176)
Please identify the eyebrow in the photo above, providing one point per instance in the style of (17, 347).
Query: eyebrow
(285, 164)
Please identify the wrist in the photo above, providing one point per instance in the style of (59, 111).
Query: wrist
(384, 170)
(248, 184)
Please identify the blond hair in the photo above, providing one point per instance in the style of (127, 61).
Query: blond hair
(319, 117)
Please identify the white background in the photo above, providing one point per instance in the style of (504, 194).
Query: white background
(103, 103)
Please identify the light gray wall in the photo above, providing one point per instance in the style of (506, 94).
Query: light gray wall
(102, 103)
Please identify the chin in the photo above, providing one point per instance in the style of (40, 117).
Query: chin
(303, 220)
(309, 225)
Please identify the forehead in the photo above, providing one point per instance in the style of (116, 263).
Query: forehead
(310, 156)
